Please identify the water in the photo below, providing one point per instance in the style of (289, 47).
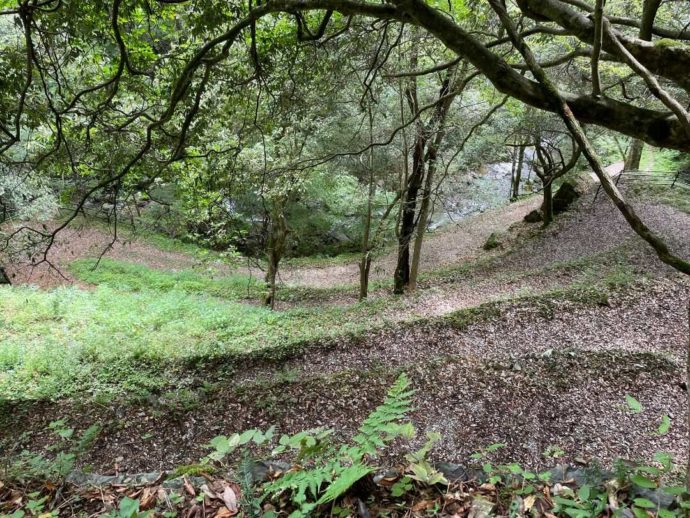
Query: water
(476, 192)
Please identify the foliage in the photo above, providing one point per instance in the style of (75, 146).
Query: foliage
(339, 469)
(130, 343)
(28, 466)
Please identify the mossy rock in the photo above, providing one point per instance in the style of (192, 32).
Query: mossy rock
(564, 197)
(534, 217)
(494, 241)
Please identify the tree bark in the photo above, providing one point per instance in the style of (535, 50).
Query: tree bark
(401, 277)
(517, 178)
(277, 238)
(596, 47)
(548, 202)
(634, 156)
(365, 261)
(648, 15)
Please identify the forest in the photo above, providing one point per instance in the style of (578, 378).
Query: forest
(346, 258)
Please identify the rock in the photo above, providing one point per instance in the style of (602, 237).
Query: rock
(492, 242)
(261, 470)
(659, 497)
(79, 478)
(457, 473)
(566, 194)
(481, 508)
(534, 217)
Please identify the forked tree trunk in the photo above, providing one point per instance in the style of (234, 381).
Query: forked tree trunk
(401, 278)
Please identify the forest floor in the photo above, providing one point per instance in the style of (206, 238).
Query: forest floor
(534, 345)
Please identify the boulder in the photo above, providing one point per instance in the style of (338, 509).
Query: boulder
(494, 241)
(534, 217)
(566, 194)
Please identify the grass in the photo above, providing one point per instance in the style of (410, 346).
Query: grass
(143, 330)
(135, 277)
(665, 164)
(69, 340)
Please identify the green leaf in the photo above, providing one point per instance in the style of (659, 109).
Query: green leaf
(665, 425)
(344, 482)
(129, 507)
(633, 404)
(643, 502)
(584, 493)
(643, 481)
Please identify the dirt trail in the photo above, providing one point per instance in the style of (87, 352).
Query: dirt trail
(452, 245)
(80, 241)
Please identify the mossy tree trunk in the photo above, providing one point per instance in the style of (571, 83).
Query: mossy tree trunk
(634, 156)
(277, 239)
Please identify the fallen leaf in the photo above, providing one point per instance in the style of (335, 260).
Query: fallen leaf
(230, 499)
(223, 512)
(148, 498)
(529, 502)
(422, 505)
(188, 486)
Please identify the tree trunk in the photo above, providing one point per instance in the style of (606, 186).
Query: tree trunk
(4, 278)
(632, 160)
(276, 248)
(548, 202)
(422, 223)
(365, 261)
(364, 268)
(401, 277)
(513, 165)
(517, 177)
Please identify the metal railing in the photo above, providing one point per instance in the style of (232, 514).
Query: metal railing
(653, 177)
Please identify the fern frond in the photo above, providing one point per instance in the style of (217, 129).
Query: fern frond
(347, 478)
(385, 423)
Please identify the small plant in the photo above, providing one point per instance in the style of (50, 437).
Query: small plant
(34, 466)
(330, 471)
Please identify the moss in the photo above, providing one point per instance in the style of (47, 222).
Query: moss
(668, 42)
(462, 319)
(192, 470)
(493, 242)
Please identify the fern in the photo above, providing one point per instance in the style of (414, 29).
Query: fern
(387, 421)
(347, 478)
(249, 503)
(338, 470)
